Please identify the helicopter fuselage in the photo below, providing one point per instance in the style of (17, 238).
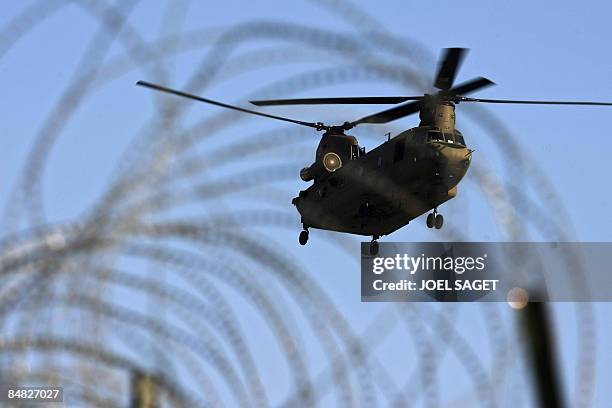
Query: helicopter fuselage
(380, 191)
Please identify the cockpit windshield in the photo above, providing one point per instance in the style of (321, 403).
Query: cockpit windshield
(435, 136)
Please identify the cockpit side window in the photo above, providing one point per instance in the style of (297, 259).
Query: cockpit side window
(449, 138)
(459, 139)
(398, 153)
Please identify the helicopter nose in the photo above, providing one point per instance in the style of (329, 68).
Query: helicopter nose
(454, 163)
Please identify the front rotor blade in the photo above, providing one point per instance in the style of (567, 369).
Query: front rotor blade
(391, 114)
(527, 102)
(449, 65)
(413, 107)
(471, 86)
(351, 100)
(156, 87)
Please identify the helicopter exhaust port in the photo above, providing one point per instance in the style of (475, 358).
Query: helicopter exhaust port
(306, 174)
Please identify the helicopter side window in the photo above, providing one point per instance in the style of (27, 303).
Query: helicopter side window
(398, 153)
(459, 139)
(355, 152)
(449, 137)
(435, 136)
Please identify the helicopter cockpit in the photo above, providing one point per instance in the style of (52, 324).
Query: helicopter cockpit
(438, 136)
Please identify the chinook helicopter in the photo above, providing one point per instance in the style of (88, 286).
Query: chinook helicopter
(377, 192)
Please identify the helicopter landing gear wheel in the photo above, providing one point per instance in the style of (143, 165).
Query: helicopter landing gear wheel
(303, 237)
(374, 246)
(434, 219)
(439, 221)
(430, 220)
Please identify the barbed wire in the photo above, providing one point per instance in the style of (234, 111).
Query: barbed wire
(46, 268)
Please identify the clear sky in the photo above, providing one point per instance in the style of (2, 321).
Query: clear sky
(532, 50)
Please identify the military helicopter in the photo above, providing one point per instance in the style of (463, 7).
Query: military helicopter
(377, 192)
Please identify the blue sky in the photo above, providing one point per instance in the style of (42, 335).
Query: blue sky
(532, 50)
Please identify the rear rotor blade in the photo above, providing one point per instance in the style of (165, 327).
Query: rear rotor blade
(390, 114)
(156, 87)
(527, 102)
(351, 100)
(449, 65)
